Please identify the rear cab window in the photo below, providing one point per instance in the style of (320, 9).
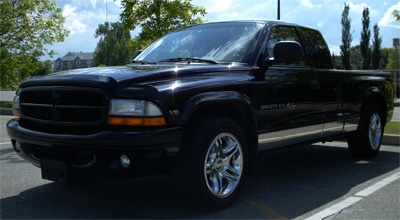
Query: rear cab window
(316, 48)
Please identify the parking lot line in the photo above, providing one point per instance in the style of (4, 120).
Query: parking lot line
(377, 186)
(5, 143)
(262, 207)
(336, 208)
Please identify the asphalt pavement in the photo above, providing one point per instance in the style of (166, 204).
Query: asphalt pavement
(302, 182)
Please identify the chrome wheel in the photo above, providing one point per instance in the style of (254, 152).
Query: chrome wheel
(223, 165)
(375, 131)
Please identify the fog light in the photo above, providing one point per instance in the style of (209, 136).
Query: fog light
(125, 162)
(17, 147)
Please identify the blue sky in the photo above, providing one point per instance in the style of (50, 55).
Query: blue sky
(83, 17)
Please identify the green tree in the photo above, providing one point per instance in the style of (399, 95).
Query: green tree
(355, 54)
(333, 57)
(396, 14)
(384, 54)
(376, 47)
(158, 17)
(25, 27)
(391, 56)
(43, 67)
(139, 44)
(365, 38)
(113, 48)
(346, 37)
(387, 56)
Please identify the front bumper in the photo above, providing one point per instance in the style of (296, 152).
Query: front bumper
(98, 155)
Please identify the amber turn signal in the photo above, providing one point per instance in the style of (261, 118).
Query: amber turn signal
(136, 121)
(17, 113)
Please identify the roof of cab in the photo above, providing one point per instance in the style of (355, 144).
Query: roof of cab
(265, 21)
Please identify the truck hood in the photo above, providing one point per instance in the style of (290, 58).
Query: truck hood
(106, 77)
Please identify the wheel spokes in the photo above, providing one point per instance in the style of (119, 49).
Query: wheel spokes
(223, 165)
(375, 131)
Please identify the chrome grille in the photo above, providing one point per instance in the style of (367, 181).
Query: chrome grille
(63, 105)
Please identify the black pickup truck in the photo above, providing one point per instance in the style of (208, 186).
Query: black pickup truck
(199, 104)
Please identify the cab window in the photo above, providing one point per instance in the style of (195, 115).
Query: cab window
(316, 48)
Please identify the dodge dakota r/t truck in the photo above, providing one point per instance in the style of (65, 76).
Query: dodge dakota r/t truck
(199, 104)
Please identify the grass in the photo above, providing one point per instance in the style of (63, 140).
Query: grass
(6, 104)
(393, 127)
(8, 88)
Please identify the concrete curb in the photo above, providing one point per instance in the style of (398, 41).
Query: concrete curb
(4, 111)
(391, 139)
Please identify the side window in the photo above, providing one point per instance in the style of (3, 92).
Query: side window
(316, 48)
(284, 34)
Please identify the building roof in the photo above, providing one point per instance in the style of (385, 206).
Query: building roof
(71, 56)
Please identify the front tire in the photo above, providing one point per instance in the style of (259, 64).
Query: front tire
(367, 141)
(213, 163)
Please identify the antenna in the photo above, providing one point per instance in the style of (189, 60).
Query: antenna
(107, 15)
(279, 10)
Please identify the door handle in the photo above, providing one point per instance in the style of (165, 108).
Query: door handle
(314, 84)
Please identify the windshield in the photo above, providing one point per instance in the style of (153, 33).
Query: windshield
(220, 42)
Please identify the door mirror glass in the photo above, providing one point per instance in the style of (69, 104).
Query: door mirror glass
(285, 52)
(137, 53)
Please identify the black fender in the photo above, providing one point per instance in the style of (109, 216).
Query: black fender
(373, 95)
(210, 98)
(236, 106)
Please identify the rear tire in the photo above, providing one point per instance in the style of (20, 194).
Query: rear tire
(366, 142)
(213, 163)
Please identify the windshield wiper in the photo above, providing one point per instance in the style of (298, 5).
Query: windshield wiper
(189, 60)
(142, 62)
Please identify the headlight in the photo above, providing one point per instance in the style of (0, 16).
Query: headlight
(127, 107)
(128, 112)
(16, 107)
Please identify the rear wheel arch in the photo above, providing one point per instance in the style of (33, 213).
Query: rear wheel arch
(374, 97)
(367, 140)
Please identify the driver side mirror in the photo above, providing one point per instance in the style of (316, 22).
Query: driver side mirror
(284, 52)
(137, 53)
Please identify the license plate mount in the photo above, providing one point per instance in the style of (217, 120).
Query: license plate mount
(54, 170)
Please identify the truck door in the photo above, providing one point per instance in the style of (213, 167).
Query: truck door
(329, 81)
(288, 98)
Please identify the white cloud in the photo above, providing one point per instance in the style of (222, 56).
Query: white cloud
(334, 49)
(359, 8)
(388, 20)
(93, 3)
(321, 23)
(74, 25)
(68, 10)
(117, 3)
(77, 27)
(306, 3)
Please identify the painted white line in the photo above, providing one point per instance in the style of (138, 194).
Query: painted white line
(377, 186)
(336, 208)
(6, 143)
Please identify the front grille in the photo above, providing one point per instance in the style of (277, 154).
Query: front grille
(75, 106)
